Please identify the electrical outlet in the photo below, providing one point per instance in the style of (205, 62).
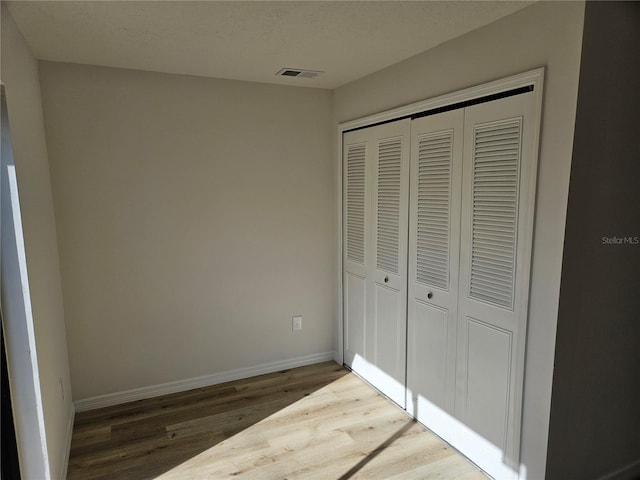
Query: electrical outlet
(297, 322)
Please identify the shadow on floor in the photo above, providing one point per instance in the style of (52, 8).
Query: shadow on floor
(144, 439)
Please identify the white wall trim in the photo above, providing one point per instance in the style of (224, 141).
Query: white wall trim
(66, 452)
(117, 398)
(339, 358)
(532, 77)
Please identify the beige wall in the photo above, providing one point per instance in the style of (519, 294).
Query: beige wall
(545, 34)
(194, 219)
(20, 77)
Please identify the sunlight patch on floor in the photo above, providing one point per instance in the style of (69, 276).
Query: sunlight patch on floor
(343, 430)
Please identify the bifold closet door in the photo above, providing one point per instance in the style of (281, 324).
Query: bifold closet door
(498, 194)
(471, 214)
(434, 232)
(376, 181)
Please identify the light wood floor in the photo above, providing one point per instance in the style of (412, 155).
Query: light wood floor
(315, 422)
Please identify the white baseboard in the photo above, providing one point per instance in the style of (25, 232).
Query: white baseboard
(67, 450)
(630, 471)
(117, 398)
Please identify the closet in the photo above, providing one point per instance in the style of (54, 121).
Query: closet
(437, 237)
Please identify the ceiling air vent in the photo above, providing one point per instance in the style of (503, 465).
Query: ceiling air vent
(298, 72)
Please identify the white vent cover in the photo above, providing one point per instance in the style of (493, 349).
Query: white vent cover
(298, 72)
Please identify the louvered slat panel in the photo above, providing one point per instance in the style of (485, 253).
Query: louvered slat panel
(434, 180)
(388, 212)
(494, 216)
(355, 203)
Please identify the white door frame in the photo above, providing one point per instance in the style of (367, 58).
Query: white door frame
(17, 321)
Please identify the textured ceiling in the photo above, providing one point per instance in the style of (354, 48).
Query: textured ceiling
(245, 40)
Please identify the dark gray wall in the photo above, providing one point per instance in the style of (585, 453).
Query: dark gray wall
(595, 408)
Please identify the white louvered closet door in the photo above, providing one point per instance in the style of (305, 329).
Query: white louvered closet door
(357, 170)
(438, 236)
(495, 254)
(434, 239)
(376, 341)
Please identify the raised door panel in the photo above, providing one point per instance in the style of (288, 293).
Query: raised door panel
(429, 353)
(355, 311)
(389, 344)
(488, 363)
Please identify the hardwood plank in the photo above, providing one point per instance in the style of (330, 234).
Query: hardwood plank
(90, 436)
(317, 422)
(159, 405)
